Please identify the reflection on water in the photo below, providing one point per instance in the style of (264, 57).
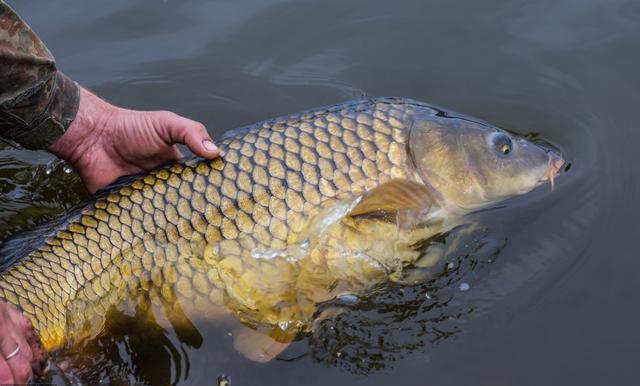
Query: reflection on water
(34, 189)
(135, 349)
(394, 320)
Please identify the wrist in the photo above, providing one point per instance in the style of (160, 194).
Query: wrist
(85, 130)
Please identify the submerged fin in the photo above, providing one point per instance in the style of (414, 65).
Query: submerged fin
(258, 346)
(182, 325)
(393, 196)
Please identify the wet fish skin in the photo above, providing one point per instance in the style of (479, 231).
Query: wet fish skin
(297, 211)
(272, 177)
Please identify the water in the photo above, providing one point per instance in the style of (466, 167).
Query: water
(555, 306)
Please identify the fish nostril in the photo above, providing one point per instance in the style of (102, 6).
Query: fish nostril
(567, 167)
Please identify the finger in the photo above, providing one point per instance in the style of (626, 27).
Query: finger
(188, 132)
(172, 155)
(39, 356)
(12, 338)
(176, 153)
(154, 160)
(19, 362)
(21, 322)
(6, 376)
(23, 326)
(26, 323)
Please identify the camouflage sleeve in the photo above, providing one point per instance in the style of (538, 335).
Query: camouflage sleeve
(37, 102)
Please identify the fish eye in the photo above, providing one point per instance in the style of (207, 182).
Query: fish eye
(505, 148)
(502, 144)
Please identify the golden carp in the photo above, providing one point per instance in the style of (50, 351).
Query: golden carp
(297, 211)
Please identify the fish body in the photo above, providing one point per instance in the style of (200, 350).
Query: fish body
(297, 210)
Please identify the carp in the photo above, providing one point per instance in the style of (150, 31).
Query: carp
(296, 211)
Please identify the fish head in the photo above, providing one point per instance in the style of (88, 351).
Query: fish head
(471, 164)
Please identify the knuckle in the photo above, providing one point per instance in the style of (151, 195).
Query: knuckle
(197, 130)
(168, 115)
(160, 118)
(202, 128)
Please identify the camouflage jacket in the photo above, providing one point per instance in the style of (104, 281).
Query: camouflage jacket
(37, 102)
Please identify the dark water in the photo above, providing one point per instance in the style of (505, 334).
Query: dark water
(557, 306)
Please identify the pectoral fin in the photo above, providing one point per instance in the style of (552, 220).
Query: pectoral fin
(394, 196)
(258, 346)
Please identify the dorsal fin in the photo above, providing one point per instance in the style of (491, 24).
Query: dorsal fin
(309, 114)
(17, 246)
(21, 244)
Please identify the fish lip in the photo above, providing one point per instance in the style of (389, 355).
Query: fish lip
(555, 165)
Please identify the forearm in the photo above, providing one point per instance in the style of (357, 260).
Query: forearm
(40, 108)
(37, 102)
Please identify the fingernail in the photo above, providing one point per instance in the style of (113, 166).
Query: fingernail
(210, 146)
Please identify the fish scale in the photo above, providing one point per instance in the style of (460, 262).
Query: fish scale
(151, 232)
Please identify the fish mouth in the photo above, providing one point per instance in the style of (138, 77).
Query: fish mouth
(555, 165)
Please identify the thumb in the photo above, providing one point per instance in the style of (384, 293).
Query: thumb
(193, 134)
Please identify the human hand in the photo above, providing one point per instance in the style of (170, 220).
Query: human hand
(16, 333)
(105, 142)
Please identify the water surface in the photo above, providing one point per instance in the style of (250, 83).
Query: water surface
(555, 306)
